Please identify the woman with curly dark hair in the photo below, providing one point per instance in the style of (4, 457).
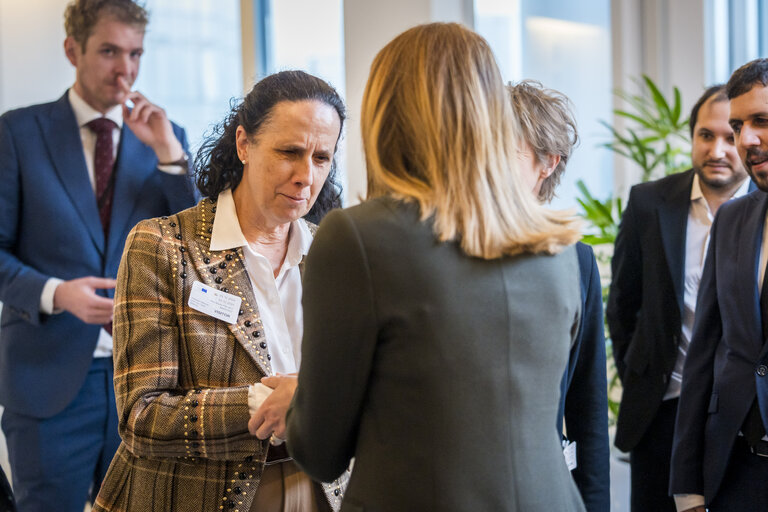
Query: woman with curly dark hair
(218, 166)
(208, 304)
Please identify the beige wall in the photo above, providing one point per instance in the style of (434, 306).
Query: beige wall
(33, 67)
(666, 40)
(368, 26)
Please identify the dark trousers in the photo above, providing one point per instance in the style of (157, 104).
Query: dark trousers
(745, 484)
(56, 462)
(6, 496)
(649, 463)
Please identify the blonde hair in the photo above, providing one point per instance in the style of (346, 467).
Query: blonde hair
(438, 129)
(547, 123)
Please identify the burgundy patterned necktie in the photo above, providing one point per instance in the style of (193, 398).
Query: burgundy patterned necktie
(103, 166)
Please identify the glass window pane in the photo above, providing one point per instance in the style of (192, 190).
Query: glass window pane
(192, 65)
(718, 48)
(743, 32)
(312, 42)
(762, 27)
(566, 46)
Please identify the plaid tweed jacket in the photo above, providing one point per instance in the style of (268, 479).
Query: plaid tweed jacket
(182, 377)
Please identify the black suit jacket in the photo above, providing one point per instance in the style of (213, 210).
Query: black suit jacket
(583, 401)
(646, 298)
(721, 377)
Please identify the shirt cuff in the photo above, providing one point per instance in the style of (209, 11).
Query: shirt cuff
(688, 501)
(46, 298)
(257, 393)
(176, 170)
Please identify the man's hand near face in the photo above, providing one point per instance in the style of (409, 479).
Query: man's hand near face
(151, 125)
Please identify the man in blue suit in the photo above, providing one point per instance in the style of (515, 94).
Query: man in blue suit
(78, 173)
(548, 137)
(720, 451)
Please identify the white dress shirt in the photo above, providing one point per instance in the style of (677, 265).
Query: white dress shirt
(84, 114)
(278, 298)
(700, 219)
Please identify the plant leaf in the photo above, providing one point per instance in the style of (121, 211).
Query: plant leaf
(635, 117)
(678, 106)
(661, 103)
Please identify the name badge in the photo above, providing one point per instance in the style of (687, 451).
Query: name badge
(213, 302)
(569, 452)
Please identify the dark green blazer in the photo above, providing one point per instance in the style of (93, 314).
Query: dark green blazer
(438, 372)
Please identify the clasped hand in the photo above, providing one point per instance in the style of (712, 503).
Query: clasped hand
(269, 419)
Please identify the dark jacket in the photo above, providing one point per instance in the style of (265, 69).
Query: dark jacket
(645, 304)
(722, 374)
(442, 370)
(584, 402)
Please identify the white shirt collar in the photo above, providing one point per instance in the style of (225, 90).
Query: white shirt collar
(743, 189)
(84, 113)
(697, 194)
(696, 188)
(226, 228)
(228, 235)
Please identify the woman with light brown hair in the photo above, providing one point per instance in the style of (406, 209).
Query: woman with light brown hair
(548, 136)
(439, 313)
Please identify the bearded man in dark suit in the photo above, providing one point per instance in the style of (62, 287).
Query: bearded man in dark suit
(657, 267)
(720, 454)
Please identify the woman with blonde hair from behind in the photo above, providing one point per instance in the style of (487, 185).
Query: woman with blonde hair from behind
(439, 313)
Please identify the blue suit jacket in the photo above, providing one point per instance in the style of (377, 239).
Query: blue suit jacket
(50, 228)
(720, 380)
(584, 401)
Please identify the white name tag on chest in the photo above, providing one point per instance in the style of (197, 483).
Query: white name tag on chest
(213, 302)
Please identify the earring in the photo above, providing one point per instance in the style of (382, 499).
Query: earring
(243, 161)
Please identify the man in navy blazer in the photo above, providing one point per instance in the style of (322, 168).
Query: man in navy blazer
(58, 257)
(720, 452)
(548, 137)
(657, 264)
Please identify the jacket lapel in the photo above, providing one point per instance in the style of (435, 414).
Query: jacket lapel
(312, 231)
(673, 223)
(229, 266)
(131, 172)
(748, 259)
(62, 137)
